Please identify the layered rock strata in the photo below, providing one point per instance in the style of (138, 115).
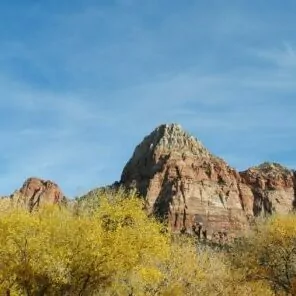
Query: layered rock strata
(186, 184)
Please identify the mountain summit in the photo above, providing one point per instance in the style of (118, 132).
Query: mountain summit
(186, 184)
(182, 181)
(171, 138)
(166, 139)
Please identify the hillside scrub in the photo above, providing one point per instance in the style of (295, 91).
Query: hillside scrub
(109, 246)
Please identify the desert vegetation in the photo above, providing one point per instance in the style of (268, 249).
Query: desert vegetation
(107, 245)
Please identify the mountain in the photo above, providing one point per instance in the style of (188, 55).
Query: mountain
(187, 185)
(184, 184)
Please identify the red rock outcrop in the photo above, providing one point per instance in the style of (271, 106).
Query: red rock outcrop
(272, 188)
(35, 192)
(184, 183)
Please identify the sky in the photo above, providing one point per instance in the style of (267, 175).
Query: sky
(82, 83)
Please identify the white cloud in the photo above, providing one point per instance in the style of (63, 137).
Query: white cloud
(110, 78)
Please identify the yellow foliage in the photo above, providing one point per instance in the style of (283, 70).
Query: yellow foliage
(268, 255)
(55, 252)
(107, 245)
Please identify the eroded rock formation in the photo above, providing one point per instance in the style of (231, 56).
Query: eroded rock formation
(35, 192)
(272, 188)
(184, 183)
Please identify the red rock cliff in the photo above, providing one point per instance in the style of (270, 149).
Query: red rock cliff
(182, 181)
(271, 188)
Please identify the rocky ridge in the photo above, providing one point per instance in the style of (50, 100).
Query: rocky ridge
(184, 183)
(272, 188)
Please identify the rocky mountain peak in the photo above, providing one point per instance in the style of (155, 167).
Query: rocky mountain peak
(182, 181)
(272, 167)
(167, 141)
(270, 174)
(173, 138)
(168, 138)
(272, 188)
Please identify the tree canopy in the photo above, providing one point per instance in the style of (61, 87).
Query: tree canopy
(107, 245)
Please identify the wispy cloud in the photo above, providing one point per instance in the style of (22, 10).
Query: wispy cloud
(282, 57)
(86, 85)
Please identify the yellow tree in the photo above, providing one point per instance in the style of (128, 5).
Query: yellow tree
(54, 251)
(268, 254)
(107, 245)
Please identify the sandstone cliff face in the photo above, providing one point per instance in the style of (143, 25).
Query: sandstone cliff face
(35, 192)
(183, 182)
(272, 188)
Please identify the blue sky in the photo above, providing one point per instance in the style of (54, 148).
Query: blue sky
(82, 82)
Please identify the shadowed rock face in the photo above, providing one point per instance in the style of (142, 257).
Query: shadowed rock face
(184, 183)
(35, 192)
(272, 188)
